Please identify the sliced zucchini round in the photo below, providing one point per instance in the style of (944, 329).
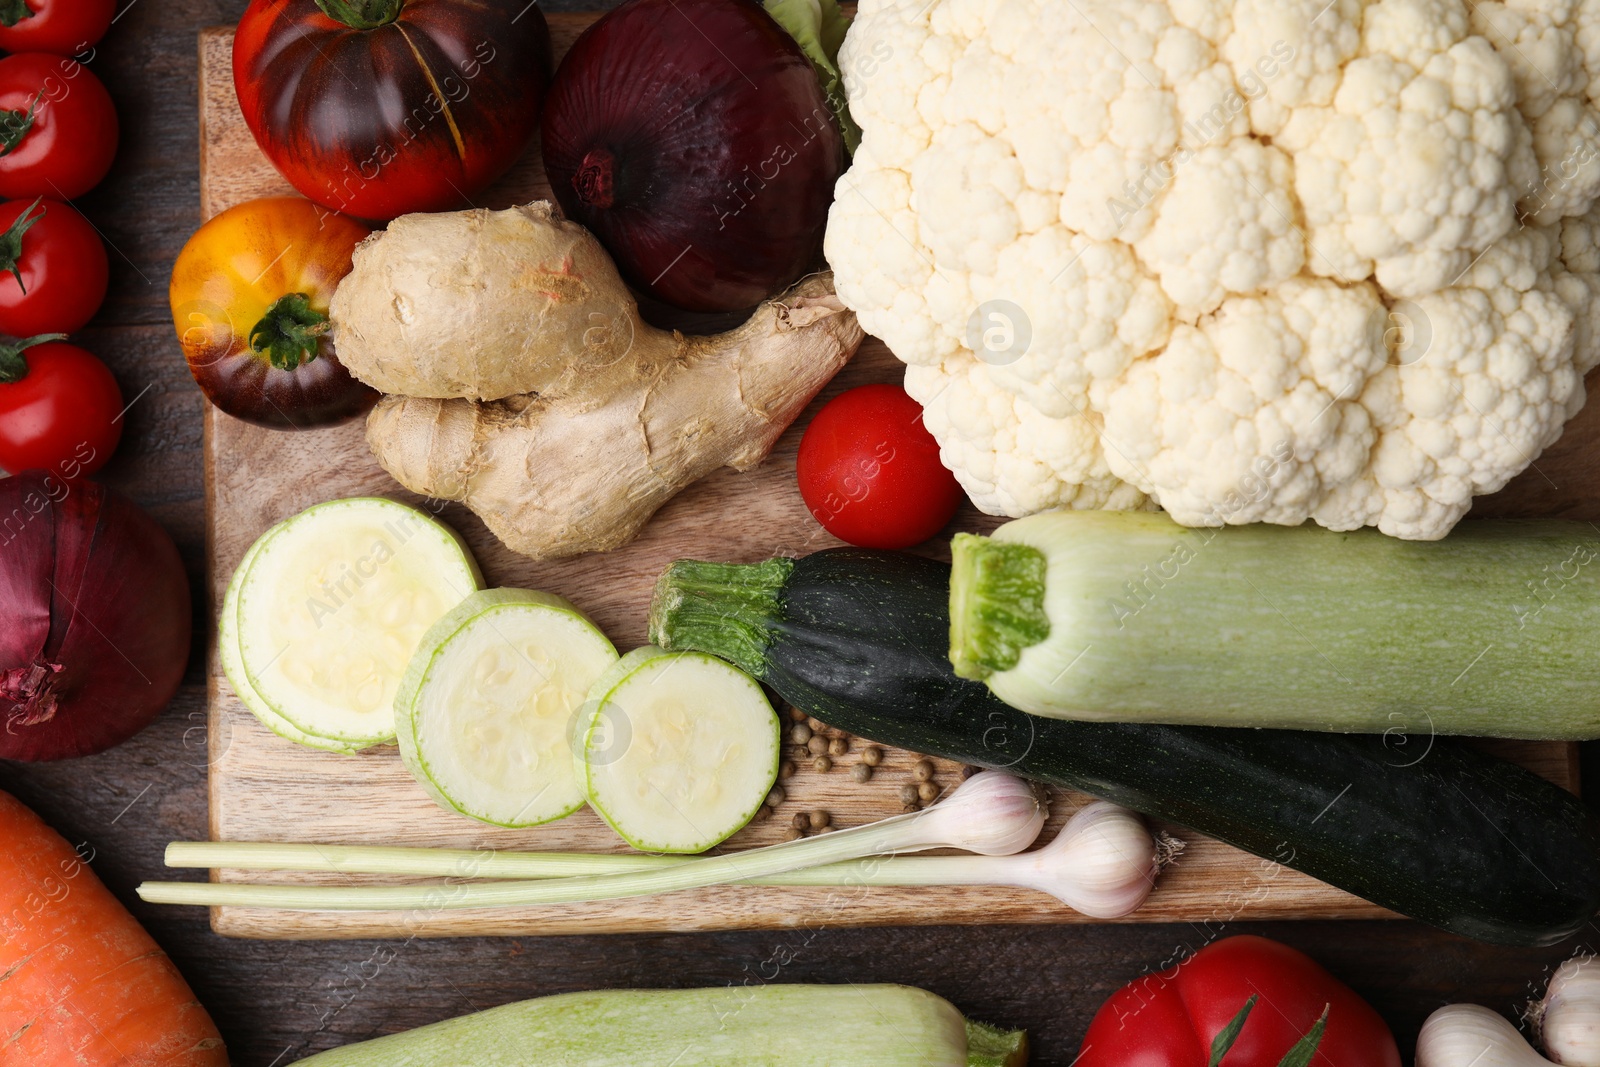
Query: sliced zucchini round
(485, 713)
(333, 605)
(680, 749)
(233, 667)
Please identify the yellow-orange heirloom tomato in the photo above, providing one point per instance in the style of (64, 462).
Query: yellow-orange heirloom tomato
(250, 295)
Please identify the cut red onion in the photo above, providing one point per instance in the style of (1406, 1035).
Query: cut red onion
(96, 615)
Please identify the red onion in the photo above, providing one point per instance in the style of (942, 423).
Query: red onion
(97, 618)
(693, 138)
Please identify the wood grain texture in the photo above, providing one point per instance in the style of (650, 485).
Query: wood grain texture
(265, 788)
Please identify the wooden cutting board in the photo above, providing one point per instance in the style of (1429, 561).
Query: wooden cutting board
(266, 789)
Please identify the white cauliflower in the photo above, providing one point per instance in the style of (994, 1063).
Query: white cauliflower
(1539, 41)
(1250, 260)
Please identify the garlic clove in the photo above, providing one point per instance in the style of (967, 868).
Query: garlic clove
(1568, 1017)
(1466, 1035)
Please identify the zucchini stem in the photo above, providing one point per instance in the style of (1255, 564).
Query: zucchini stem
(724, 609)
(997, 604)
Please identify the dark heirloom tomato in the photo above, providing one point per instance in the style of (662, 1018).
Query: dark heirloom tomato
(692, 138)
(250, 294)
(378, 108)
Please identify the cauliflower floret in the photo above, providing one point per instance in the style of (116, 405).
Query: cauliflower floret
(1483, 395)
(1251, 416)
(1576, 276)
(1247, 188)
(1010, 458)
(1538, 41)
(872, 225)
(1405, 175)
(1290, 53)
(1587, 20)
(1061, 313)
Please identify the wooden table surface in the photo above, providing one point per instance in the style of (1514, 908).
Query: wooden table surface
(278, 1001)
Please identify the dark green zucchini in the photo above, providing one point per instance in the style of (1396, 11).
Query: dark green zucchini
(1430, 827)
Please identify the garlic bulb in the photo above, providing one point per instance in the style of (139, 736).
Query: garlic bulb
(992, 813)
(1103, 863)
(1466, 1035)
(1568, 1017)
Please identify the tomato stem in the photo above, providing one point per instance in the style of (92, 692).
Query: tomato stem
(362, 14)
(11, 242)
(13, 364)
(15, 125)
(290, 332)
(14, 11)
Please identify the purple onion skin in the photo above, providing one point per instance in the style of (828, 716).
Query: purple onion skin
(692, 138)
(97, 618)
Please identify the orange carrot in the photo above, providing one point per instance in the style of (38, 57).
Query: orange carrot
(81, 983)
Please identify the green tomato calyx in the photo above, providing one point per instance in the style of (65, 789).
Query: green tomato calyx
(11, 242)
(362, 14)
(14, 11)
(13, 364)
(290, 333)
(16, 125)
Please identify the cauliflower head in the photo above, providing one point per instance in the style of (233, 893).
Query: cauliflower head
(1247, 260)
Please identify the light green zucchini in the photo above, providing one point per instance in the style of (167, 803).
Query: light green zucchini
(679, 749)
(730, 1026)
(487, 707)
(332, 607)
(1128, 617)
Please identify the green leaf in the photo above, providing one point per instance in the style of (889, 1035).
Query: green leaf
(11, 242)
(818, 26)
(15, 125)
(1230, 1033)
(290, 332)
(13, 364)
(1305, 1050)
(14, 11)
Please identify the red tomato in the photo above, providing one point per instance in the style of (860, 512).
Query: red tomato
(58, 128)
(377, 108)
(1170, 1019)
(870, 471)
(60, 27)
(54, 268)
(60, 410)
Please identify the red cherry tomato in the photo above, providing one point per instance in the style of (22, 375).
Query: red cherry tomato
(1170, 1019)
(60, 410)
(52, 268)
(870, 471)
(58, 128)
(60, 27)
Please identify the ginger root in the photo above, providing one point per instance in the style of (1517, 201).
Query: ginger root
(606, 418)
(481, 304)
